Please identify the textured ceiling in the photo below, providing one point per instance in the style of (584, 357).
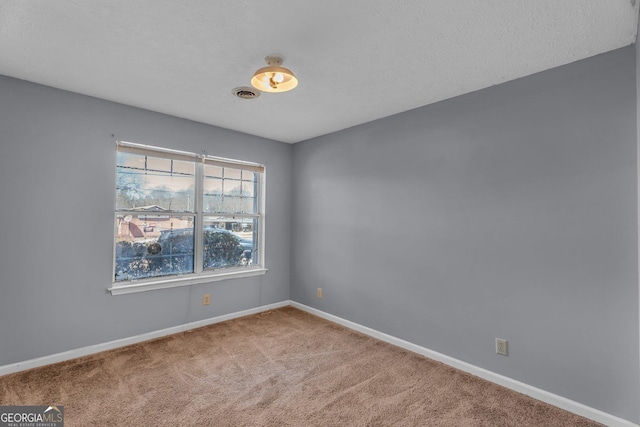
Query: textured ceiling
(356, 60)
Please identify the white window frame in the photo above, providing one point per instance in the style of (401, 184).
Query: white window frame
(199, 275)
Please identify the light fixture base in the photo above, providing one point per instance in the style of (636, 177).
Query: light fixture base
(273, 61)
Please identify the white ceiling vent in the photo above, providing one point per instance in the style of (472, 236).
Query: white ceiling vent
(246, 92)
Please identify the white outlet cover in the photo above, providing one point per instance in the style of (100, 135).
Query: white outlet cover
(502, 346)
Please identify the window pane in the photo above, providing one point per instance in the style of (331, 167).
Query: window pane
(232, 173)
(229, 242)
(150, 183)
(213, 171)
(230, 195)
(153, 246)
(184, 168)
(248, 176)
(212, 194)
(156, 214)
(248, 188)
(157, 164)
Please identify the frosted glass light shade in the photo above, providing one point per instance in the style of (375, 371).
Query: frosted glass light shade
(274, 78)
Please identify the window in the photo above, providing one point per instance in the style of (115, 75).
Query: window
(181, 216)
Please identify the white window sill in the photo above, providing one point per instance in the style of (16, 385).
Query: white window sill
(128, 287)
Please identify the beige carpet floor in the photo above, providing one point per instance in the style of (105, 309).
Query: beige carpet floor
(278, 368)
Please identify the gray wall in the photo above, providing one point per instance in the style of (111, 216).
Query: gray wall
(57, 175)
(509, 212)
(637, 45)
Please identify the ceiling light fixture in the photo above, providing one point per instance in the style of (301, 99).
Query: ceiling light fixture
(273, 77)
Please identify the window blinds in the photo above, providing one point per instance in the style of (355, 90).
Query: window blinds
(145, 150)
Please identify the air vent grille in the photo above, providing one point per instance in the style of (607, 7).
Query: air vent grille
(246, 92)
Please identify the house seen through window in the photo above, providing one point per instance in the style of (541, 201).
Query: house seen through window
(180, 213)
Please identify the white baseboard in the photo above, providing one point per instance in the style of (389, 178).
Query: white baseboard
(92, 349)
(536, 393)
(520, 387)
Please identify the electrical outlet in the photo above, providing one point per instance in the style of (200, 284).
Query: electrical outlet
(319, 292)
(502, 347)
(206, 299)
